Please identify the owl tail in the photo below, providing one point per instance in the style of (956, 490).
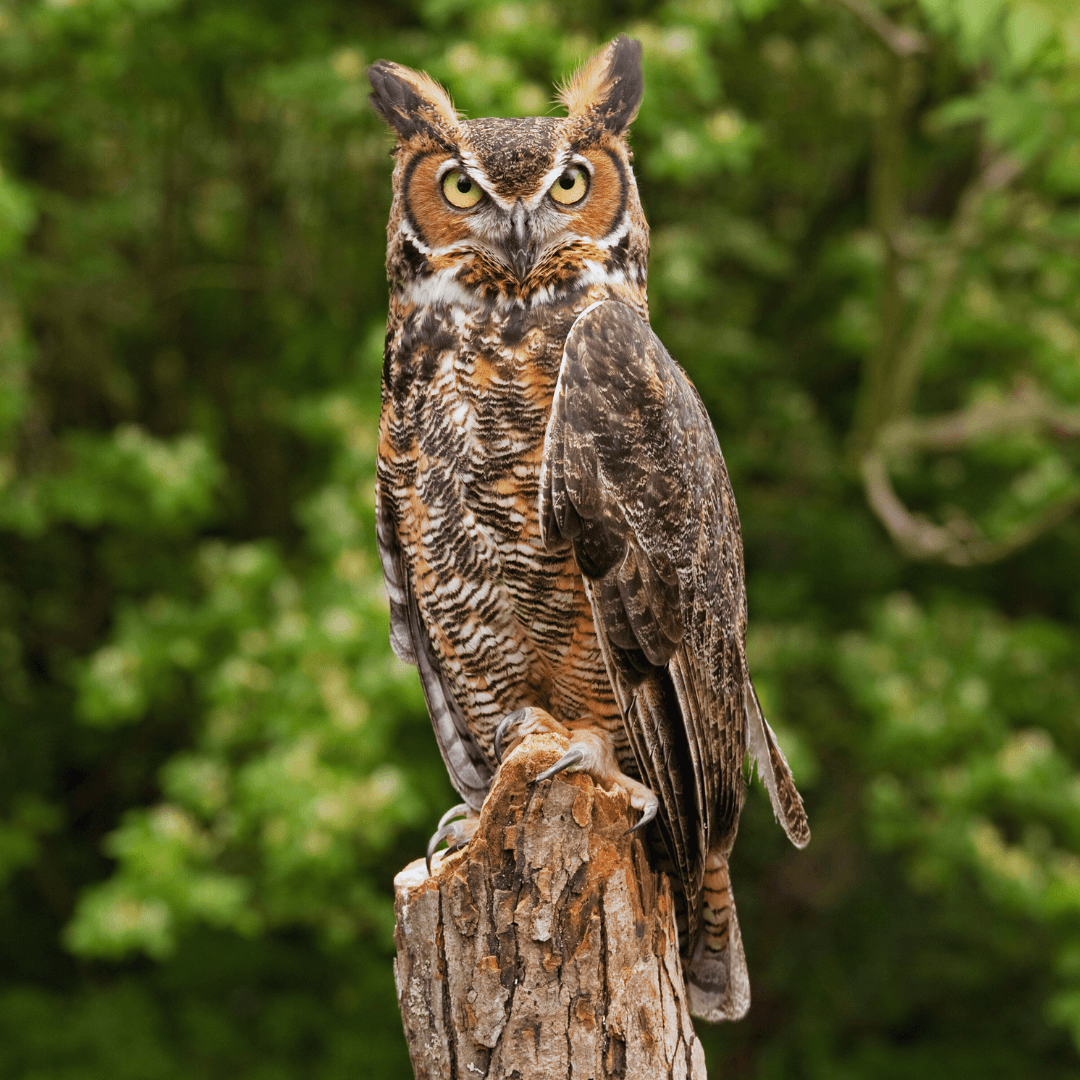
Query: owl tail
(716, 978)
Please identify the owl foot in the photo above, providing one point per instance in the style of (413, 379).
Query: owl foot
(529, 721)
(458, 832)
(590, 751)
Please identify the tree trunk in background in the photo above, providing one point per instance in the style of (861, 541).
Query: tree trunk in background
(548, 949)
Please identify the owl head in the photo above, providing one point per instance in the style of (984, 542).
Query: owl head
(523, 210)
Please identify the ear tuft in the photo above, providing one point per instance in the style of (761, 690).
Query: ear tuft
(607, 89)
(411, 102)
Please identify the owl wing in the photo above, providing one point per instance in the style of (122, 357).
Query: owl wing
(634, 477)
(469, 770)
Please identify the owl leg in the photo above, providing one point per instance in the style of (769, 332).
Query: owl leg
(457, 832)
(590, 751)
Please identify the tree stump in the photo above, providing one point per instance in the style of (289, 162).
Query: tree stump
(548, 948)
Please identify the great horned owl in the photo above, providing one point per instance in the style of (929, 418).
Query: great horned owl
(558, 534)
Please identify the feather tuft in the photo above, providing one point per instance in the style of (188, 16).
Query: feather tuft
(607, 88)
(411, 102)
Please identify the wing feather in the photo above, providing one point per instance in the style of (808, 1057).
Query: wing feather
(773, 769)
(634, 476)
(701, 746)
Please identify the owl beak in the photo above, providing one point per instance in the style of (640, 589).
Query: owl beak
(520, 254)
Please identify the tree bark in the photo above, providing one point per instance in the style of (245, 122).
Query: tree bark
(548, 948)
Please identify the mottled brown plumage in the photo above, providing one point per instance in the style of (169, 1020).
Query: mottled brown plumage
(558, 532)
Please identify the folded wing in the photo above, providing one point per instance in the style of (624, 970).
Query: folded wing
(634, 477)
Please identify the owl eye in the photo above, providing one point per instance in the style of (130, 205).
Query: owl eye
(571, 186)
(460, 189)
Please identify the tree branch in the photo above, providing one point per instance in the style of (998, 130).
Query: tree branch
(886, 209)
(1029, 408)
(892, 373)
(898, 39)
(998, 172)
(960, 541)
(884, 427)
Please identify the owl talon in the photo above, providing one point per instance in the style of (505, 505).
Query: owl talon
(507, 722)
(453, 813)
(574, 756)
(650, 811)
(442, 834)
(591, 752)
(522, 722)
(458, 832)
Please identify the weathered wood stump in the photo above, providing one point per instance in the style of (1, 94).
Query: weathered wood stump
(548, 948)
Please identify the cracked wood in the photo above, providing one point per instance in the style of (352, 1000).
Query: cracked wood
(548, 948)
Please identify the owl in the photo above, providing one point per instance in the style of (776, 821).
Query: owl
(557, 530)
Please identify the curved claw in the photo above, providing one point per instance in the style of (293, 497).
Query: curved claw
(506, 722)
(453, 813)
(444, 832)
(646, 817)
(574, 756)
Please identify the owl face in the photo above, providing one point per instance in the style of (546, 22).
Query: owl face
(514, 211)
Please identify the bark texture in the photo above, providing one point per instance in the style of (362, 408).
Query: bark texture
(548, 948)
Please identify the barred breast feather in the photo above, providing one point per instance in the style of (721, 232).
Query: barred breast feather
(493, 619)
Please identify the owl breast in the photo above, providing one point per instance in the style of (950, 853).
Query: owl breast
(467, 397)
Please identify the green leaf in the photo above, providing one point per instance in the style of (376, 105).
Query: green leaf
(1027, 29)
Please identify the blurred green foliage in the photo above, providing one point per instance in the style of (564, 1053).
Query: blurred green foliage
(866, 222)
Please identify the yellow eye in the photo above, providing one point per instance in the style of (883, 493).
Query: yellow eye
(460, 190)
(571, 186)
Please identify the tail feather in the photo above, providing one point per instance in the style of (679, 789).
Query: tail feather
(717, 982)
